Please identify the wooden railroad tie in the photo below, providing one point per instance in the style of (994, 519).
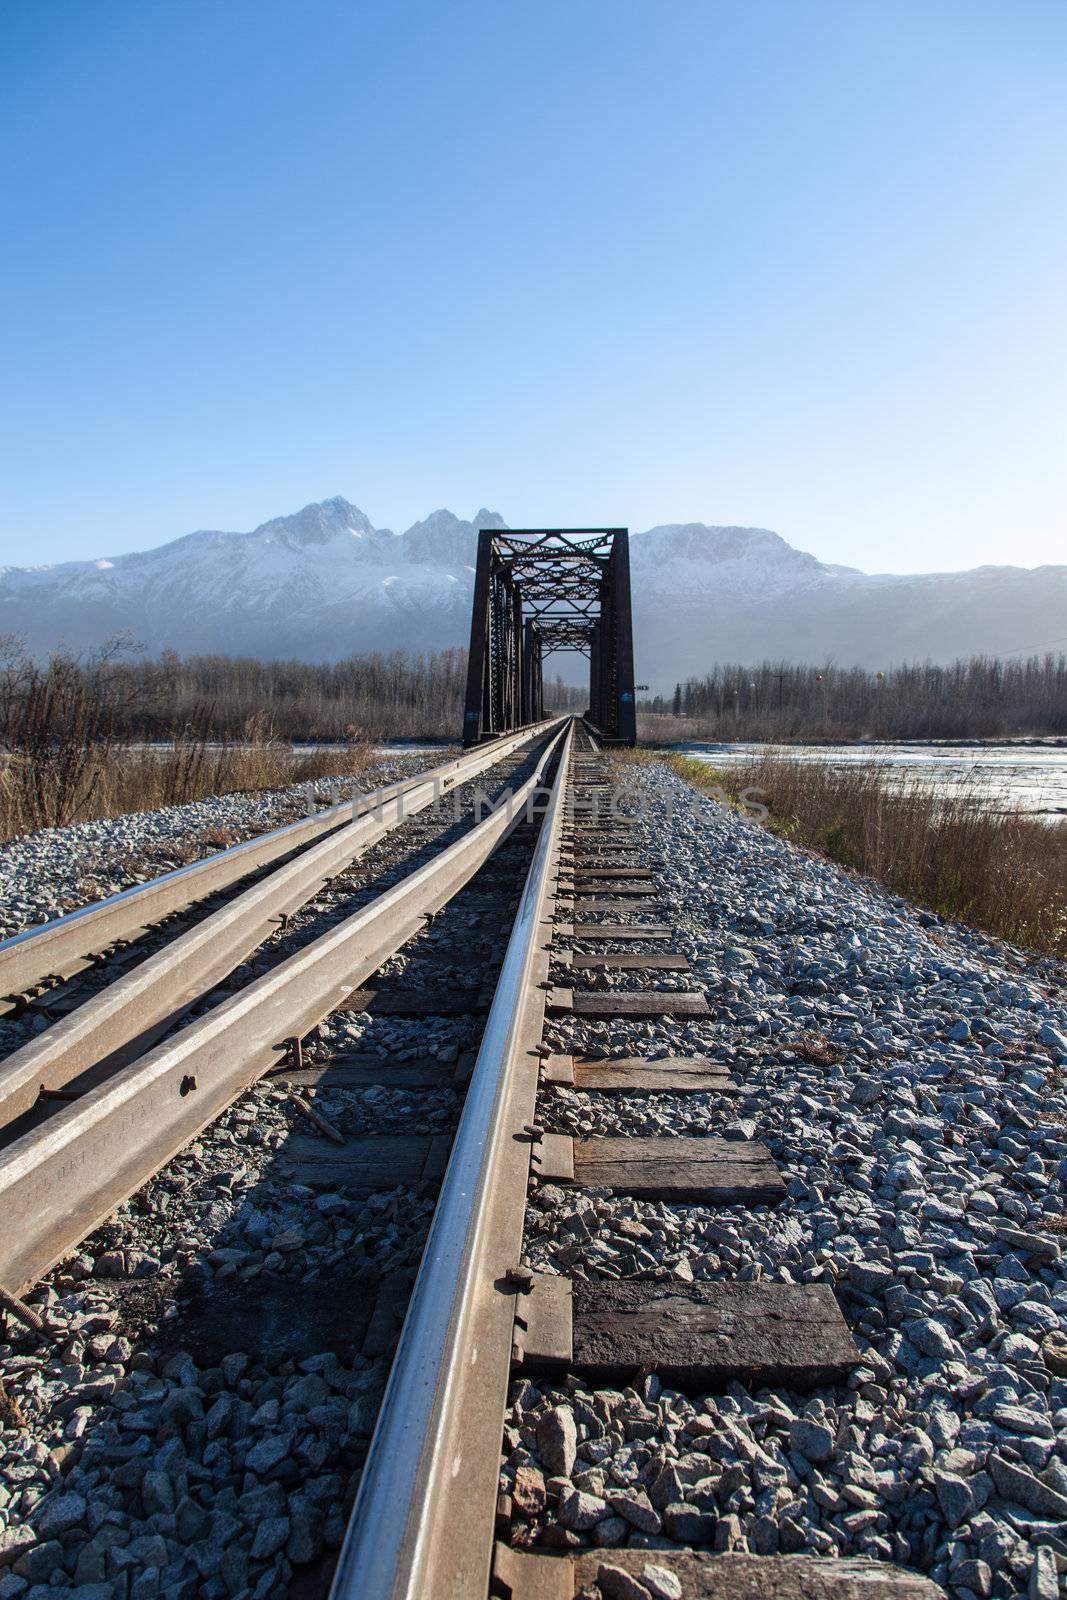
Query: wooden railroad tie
(608, 851)
(621, 907)
(592, 871)
(703, 1171)
(370, 1161)
(59, 1001)
(632, 961)
(614, 850)
(604, 864)
(276, 1318)
(634, 1075)
(609, 885)
(417, 1002)
(620, 845)
(619, 826)
(638, 1003)
(364, 1072)
(692, 1335)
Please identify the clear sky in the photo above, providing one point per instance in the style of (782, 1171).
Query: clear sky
(799, 264)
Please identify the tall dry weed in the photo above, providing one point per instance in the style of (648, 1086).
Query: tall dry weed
(948, 849)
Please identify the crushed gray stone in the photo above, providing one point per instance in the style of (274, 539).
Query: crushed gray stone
(906, 1074)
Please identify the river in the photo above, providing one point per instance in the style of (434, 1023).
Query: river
(1030, 778)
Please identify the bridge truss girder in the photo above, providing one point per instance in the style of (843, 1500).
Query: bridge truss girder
(539, 590)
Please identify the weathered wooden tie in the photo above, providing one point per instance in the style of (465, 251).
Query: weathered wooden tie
(634, 1075)
(624, 890)
(609, 850)
(638, 1003)
(417, 1002)
(585, 856)
(692, 1335)
(592, 870)
(368, 1161)
(632, 961)
(601, 906)
(701, 1171)
(603, 830)
(600, 831)
(349, 1072)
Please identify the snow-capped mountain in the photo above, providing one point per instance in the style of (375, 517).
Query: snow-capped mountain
(324, 583)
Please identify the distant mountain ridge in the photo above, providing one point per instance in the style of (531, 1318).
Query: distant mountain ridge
(325, 582)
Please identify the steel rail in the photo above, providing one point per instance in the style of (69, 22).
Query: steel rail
(422, 1526)
(70, 943)
(61, 1180)
(123, 1020)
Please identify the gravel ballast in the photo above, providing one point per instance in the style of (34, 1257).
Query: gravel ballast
(907, 1076)
(128, 1467)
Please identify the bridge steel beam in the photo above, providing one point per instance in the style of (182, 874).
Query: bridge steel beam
(539, 590)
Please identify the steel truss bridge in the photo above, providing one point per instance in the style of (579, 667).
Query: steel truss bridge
(540, 590)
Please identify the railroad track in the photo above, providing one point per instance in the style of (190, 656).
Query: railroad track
(110, 1004)
(38, 965)
(428, 1518)
(88, 1110)
(585, 938)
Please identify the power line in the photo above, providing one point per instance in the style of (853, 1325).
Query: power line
(1030, 649)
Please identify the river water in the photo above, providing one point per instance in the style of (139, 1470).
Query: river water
(1030, 778)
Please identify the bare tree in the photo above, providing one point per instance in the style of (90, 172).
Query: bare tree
(777, 701)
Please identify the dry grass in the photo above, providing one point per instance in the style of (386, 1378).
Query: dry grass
(116, 779)
(660, 728)
(816, 1049)
(216, 838)
(68, 750)
(11, 1413)
(1002, 872)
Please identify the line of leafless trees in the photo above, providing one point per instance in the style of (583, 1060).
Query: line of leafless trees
(84, 736)
(91, 736)
(982, 697)
(368, 696)
(373, 696)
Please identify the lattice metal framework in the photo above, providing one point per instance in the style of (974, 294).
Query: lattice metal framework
(537, 590)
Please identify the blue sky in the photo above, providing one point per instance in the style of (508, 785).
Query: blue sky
(790, 263)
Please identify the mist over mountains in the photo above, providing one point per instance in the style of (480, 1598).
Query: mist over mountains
(324, 583)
